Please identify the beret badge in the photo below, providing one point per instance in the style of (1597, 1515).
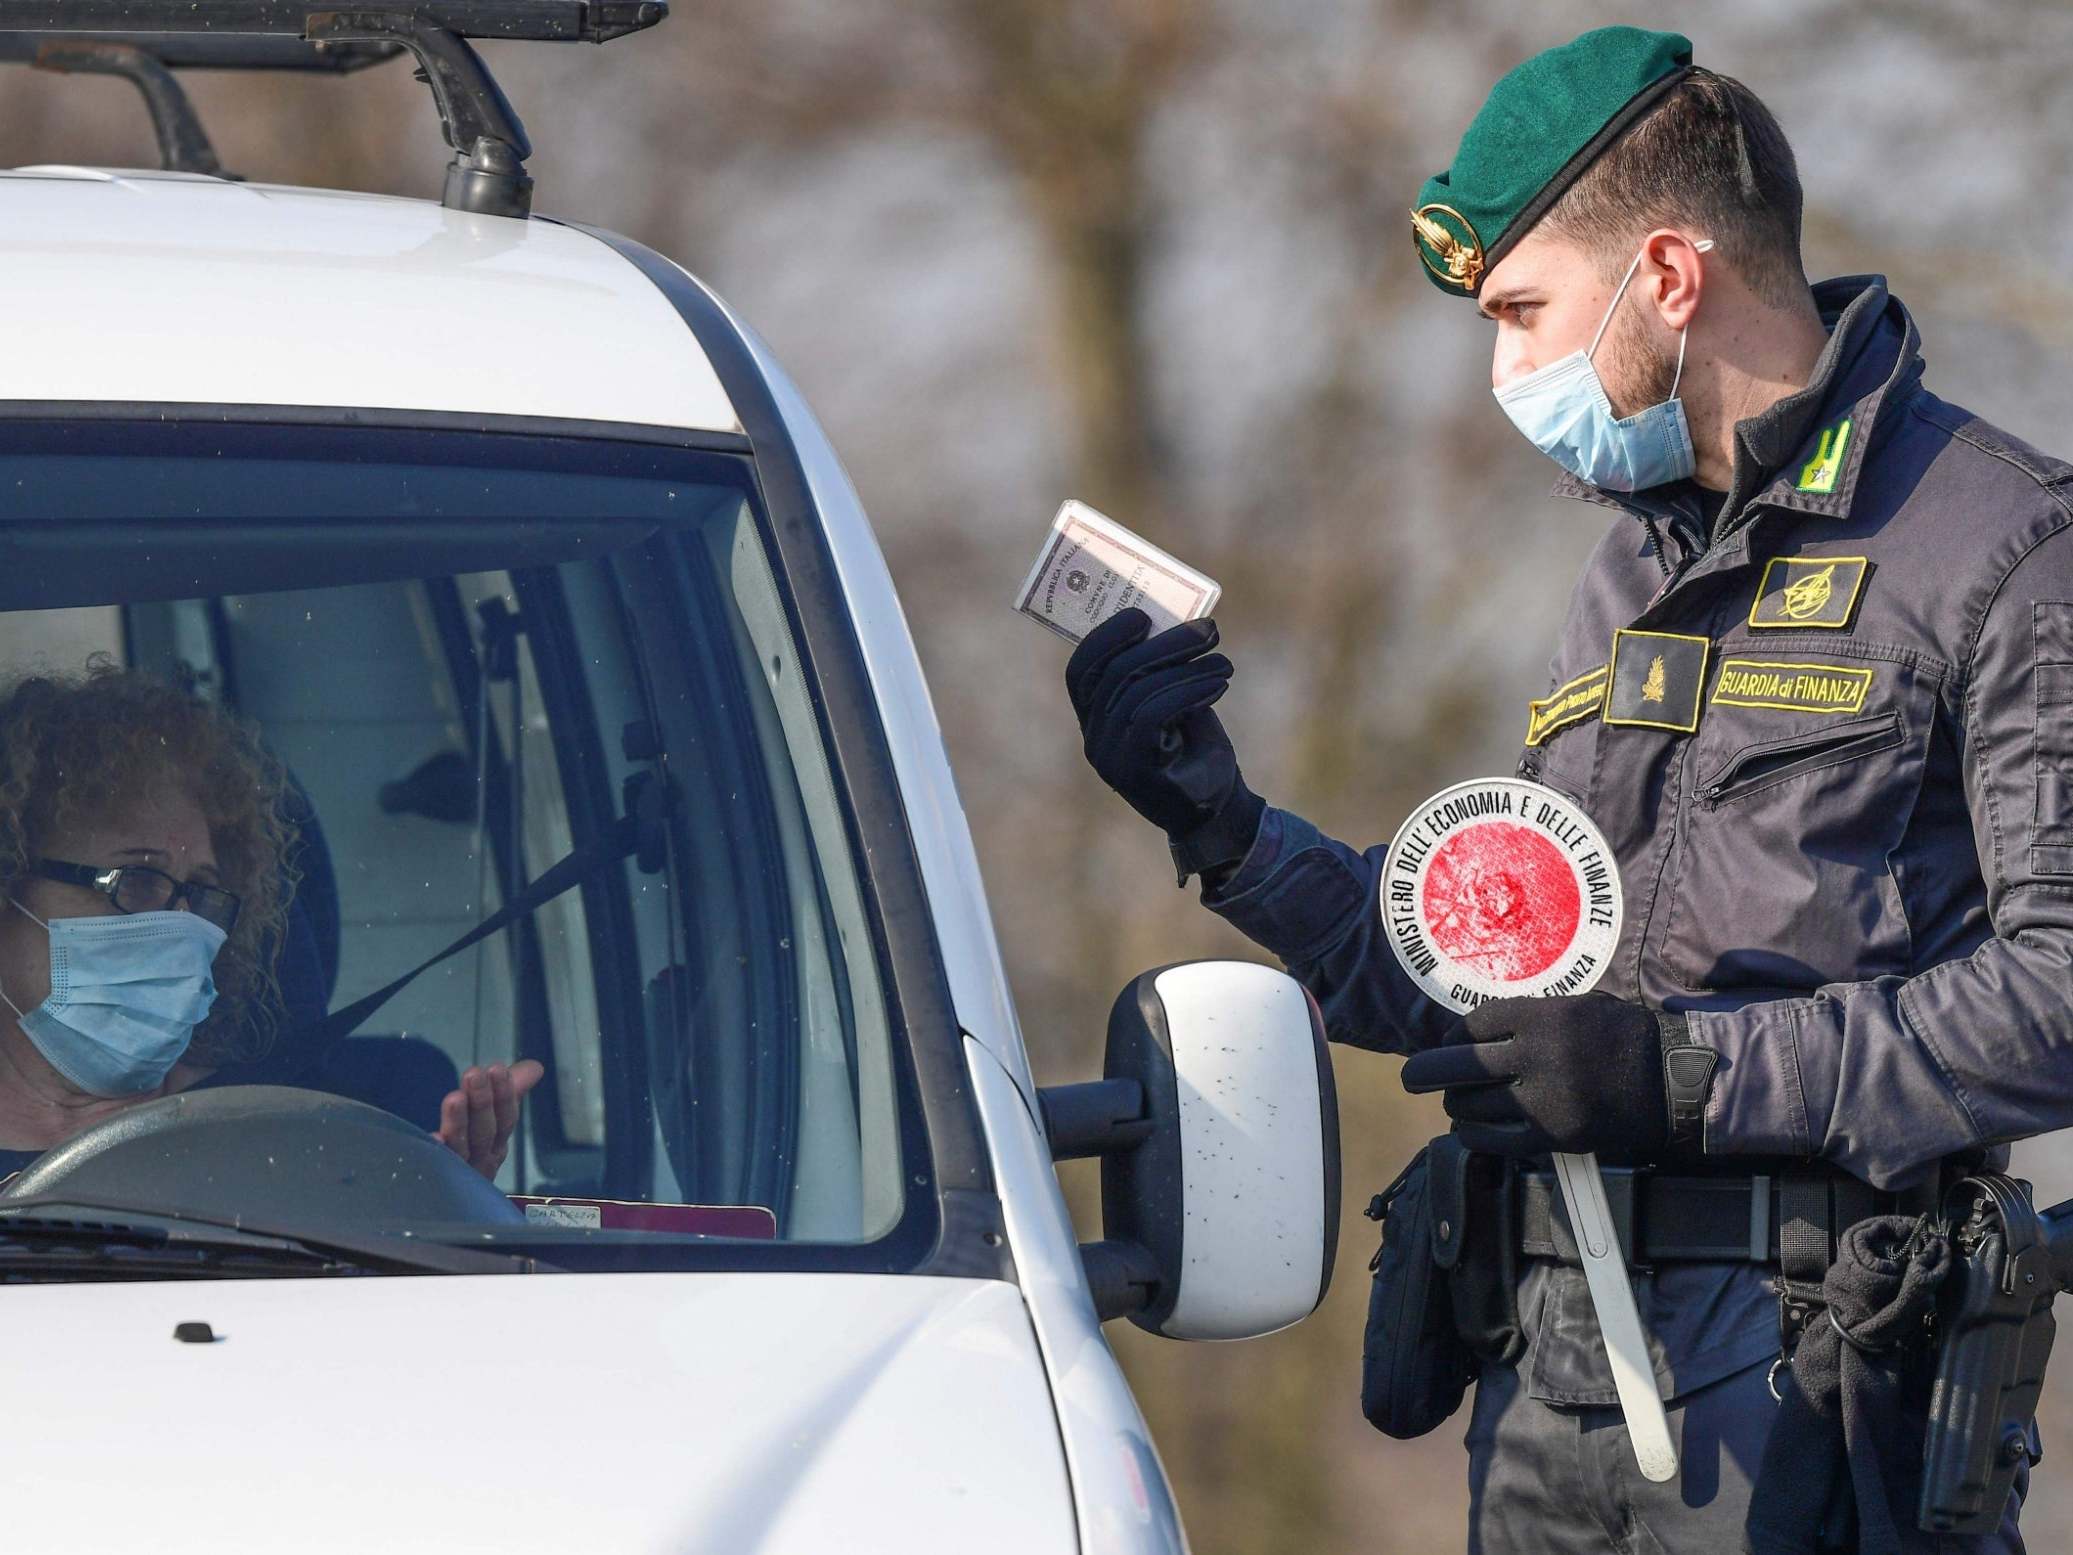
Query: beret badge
(1454, 258)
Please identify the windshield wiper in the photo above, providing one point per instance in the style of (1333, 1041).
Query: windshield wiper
(59, 1237)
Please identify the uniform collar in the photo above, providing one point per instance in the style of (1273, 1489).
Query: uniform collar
(1872, 361)
(1878, 363)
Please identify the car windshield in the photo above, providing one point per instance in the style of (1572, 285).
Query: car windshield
(541, 683)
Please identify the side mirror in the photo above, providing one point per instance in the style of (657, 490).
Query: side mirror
(1218, 1129)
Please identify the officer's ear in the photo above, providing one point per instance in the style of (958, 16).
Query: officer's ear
(1674, 264)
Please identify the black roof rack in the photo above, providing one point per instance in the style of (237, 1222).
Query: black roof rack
(143, 41)
(204, 51)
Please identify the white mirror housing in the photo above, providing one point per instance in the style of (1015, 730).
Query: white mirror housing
(1233, 1190)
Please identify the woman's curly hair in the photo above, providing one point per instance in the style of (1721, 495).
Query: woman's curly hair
(79, 749)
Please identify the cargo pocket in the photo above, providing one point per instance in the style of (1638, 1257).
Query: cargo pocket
(2051, 680)
(1783, 879)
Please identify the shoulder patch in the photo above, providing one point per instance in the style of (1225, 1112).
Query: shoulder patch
(1655, 680)
(1792, 688)
(1820, 472)
(1579, 699)
(1798, 592)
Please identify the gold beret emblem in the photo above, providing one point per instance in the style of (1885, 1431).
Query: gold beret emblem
(1457, 262)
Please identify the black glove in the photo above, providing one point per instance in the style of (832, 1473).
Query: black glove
(1588, 1072)
(1144, 708)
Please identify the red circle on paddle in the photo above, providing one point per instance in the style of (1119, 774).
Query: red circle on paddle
(1500, 898)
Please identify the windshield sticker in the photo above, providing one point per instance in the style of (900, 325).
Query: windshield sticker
(1792, 688)
(751, 1221)
(1581, 698)
(1657, 680)
(1799, 592)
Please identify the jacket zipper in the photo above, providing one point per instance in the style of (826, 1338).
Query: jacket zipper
(1655, 544)
(1789, 758)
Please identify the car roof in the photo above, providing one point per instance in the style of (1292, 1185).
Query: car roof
(139, 287)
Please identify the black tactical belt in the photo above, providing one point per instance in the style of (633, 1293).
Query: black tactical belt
(1756, 1218)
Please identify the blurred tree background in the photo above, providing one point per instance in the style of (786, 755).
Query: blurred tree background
(1153, 253)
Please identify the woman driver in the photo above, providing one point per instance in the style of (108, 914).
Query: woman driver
(142, 901)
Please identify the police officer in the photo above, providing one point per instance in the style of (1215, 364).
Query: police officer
(1816, 688)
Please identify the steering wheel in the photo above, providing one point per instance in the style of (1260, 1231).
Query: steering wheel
(267, 1153)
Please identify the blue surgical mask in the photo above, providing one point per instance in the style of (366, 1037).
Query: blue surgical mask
(126, 992)
(1565, 412)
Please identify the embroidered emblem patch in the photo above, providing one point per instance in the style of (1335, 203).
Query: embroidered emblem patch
(1820, 472)
(1567, 704)
(1792, 688)
(1656, 679)
(1808, 591)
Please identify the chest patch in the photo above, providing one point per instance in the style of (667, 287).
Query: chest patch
(1567, 704)
(1799, 592)
(1656, 680)
(1792, 688)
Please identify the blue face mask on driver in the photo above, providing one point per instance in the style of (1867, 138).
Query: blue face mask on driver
(126, 992)
(1564, 411)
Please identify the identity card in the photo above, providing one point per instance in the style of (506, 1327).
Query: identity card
(1091, 567)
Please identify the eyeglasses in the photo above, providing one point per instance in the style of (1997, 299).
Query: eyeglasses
(135, 888)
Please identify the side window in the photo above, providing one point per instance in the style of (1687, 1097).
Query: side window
(845, 1083)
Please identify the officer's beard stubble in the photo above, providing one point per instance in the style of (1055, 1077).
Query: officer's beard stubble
(1637, 369)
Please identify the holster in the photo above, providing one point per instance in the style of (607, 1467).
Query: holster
(1995, 1331)
(1445, 1297)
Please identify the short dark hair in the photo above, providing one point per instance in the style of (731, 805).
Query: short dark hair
(1709, 155)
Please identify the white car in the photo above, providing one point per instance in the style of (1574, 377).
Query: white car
(538, 575)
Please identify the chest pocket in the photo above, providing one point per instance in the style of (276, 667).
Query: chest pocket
(1797, 792)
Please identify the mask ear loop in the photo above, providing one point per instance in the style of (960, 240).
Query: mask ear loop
(1616, 296)
(18, 907)
(1704, 246)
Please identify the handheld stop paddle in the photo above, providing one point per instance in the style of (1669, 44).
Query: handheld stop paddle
(1500, 888)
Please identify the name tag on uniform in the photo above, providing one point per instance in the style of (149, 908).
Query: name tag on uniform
(1656, 680)
(1798, 592)
(1792, 688)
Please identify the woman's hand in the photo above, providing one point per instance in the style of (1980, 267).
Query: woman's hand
(476, 1121)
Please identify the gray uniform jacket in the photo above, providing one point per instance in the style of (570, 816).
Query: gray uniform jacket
(1831, 743)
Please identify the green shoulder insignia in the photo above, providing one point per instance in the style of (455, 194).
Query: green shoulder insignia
(1821, 471)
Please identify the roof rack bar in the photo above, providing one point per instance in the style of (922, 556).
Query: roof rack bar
(183, 145)
(487, 175)
(141, 38)
(210, 51)
(543, 21)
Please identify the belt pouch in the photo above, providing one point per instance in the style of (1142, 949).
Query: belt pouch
(1476, 1196)
(1414, 1364)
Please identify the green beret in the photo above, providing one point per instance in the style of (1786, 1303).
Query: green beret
(1541, 126)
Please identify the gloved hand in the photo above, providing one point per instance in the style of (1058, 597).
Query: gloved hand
(1144, 708)
(1586, 1072)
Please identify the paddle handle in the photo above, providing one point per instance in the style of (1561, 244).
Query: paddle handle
(1605, 1270)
